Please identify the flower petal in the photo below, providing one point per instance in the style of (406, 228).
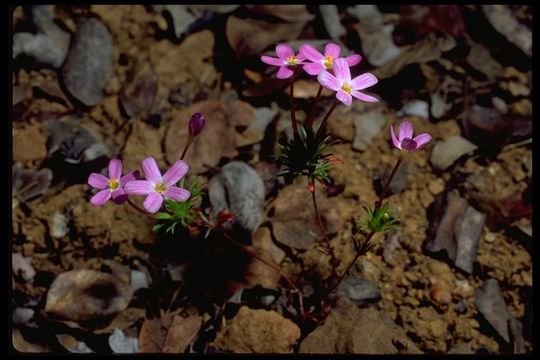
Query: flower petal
(310, 53)
(284, 51)
(422, 139)
(405, 131)
(98, 181)
(130, 176)
(364, 81)
(314, 68)
(101, 197)
(329, 81)
(272, 61)
(151, 170)
(364, 97)
(394, 138)
(344, 97)
(115, 169)
(119, 195)
(284, 72)
(139, 187)
(176, 193)
(153, 202)
(353, 59)
(342, 71)
(175, 173)
(332, 50)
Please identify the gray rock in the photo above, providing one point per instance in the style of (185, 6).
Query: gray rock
(358, 290)
(239, 189)
(391, 244)
(367, 127)
(502, 18)
(377, 42)
(458, 227)
(446, 152)
(332, 21)
(28, 184)
(89, 64)
(122, 344)
(415, 108)
(467, 229)
(50, 44)
(490, 303)
(480, 58)
(181, 18)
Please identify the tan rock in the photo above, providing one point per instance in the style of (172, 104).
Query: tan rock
(258, 331)
(348, 329)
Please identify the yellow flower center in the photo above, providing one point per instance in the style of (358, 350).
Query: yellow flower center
(328, 61)
(160, 188)
(291, 60)
(346, 88)
(114, 184)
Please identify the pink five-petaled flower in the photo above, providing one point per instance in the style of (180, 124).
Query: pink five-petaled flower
(405, 140)
(322, 62)
(112, 186)
(345, 87)
(155, 187)
(286, 61)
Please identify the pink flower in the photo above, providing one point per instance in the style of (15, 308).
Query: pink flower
(405, 140)
(113, 186)
(286, 61)
(156, 187)
(322, 62)
(345, 87)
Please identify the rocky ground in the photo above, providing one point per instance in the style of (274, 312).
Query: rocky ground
(91, 83)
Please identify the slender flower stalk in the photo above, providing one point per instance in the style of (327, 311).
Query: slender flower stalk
(322, 126)
(329, 249)
(195, 126)
(293, 112)
(309, 121)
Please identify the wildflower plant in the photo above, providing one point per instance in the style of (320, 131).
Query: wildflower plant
(307, 154)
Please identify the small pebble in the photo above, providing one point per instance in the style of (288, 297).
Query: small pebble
(490, 237)
(442, 296)
(461, 306)
(436, 186)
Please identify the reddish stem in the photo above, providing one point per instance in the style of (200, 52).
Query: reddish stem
(292, 106)
(329, 247)
(323, 122)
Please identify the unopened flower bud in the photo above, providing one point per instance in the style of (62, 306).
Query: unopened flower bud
(311, 186)
(196, 124)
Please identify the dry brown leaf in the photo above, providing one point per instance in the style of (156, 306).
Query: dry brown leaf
(249, 36)
(172, 333)
(87, 294)
(215, 141)
(294, 223)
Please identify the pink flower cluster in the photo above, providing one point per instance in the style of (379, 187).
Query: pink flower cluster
(332, 71)
(155, 187)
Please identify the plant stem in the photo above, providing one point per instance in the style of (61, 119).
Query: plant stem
(370, 235)
(358, 254)
(190, 140)
(330, 249)
(287, 279)
(387, 184)
(310, 119)
(292, 106)
(323, 122)
(133, 205)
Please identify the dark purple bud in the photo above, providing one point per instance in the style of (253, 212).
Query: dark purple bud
(196, 124)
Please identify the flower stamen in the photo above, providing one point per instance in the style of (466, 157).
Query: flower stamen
(292, 60)
(160, 188)
(114, 184)
(347, 88)
(328, 61)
